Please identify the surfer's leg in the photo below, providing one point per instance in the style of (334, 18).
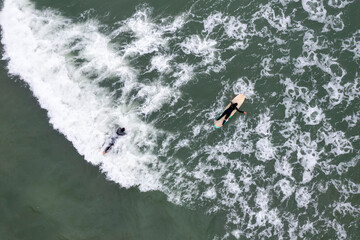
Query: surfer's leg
(224, 113)
(108, 147)
(226, 117)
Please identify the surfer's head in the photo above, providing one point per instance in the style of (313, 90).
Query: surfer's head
(120, 130)
(234, 104)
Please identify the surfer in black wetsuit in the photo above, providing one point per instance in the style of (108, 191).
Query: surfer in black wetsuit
(228, 112)
(119, 132)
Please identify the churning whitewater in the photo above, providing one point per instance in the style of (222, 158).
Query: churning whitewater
(166, 81)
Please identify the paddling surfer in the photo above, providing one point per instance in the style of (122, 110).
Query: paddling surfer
(228, 112)
(119, 132)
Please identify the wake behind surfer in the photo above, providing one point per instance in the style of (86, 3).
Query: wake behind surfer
(119, 132)
(228, 112)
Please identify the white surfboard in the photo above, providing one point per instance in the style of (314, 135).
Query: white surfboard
(239, 99)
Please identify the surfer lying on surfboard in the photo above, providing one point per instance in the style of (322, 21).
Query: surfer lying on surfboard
(228, 112)
(119, 132)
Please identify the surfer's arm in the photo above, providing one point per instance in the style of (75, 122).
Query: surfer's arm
(240, 111)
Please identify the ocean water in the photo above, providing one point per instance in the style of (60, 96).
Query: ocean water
(74, 71)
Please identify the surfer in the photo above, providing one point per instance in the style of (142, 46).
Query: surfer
(228, 112)
(119, 132)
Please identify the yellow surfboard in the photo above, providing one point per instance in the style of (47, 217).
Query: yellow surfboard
(239, 99)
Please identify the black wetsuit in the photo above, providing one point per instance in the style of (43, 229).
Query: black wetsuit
(228, 112)
(113, 140)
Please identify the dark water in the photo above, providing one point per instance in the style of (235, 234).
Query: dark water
(73, 71)
(49, 192)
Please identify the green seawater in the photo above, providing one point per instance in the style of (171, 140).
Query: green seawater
(49, 192)
(287, 170)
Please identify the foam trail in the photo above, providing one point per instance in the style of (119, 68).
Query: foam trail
(286, 188)
(335, 22)
(244, 85)
(302, 197)
(277, 21)
(308, 155)
(251, 172)
(38, 46)
(352, 44)
(205, 48)
(315, 9)
(339, 3)
(148, 37)
(234, 29)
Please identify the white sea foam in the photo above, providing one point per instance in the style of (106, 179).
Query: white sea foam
(263, 127)
(175, 23)
(183, 74)
(312, 115)
(245, 86)
(312, 57)
(212, 21)
(289, 128)
(315, 9)
(233, 27)
(231, 184)
(283, 167)
(262, 201)
(352, 120)
(338, 142)
(335, 22)
(148, 36)
(204, 48)
(308, 227)
(267, 65)
(352, 44)
(346, 187)
(155, 96)
(345, 208)
(265, 150)
(152, 38)
(294, 91)
(308, 155)
(236, 233)
(75, 58)
(77, 107)
(210, 193)
(265, 215)
(161, 63)
(276, 19)
(302, 197)
(352, 90)
(323, 187)
(286, 188)
(283, 60)
(339, 3)
(293, 227)
(339, 229)
(335, 91)
(285, 2)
